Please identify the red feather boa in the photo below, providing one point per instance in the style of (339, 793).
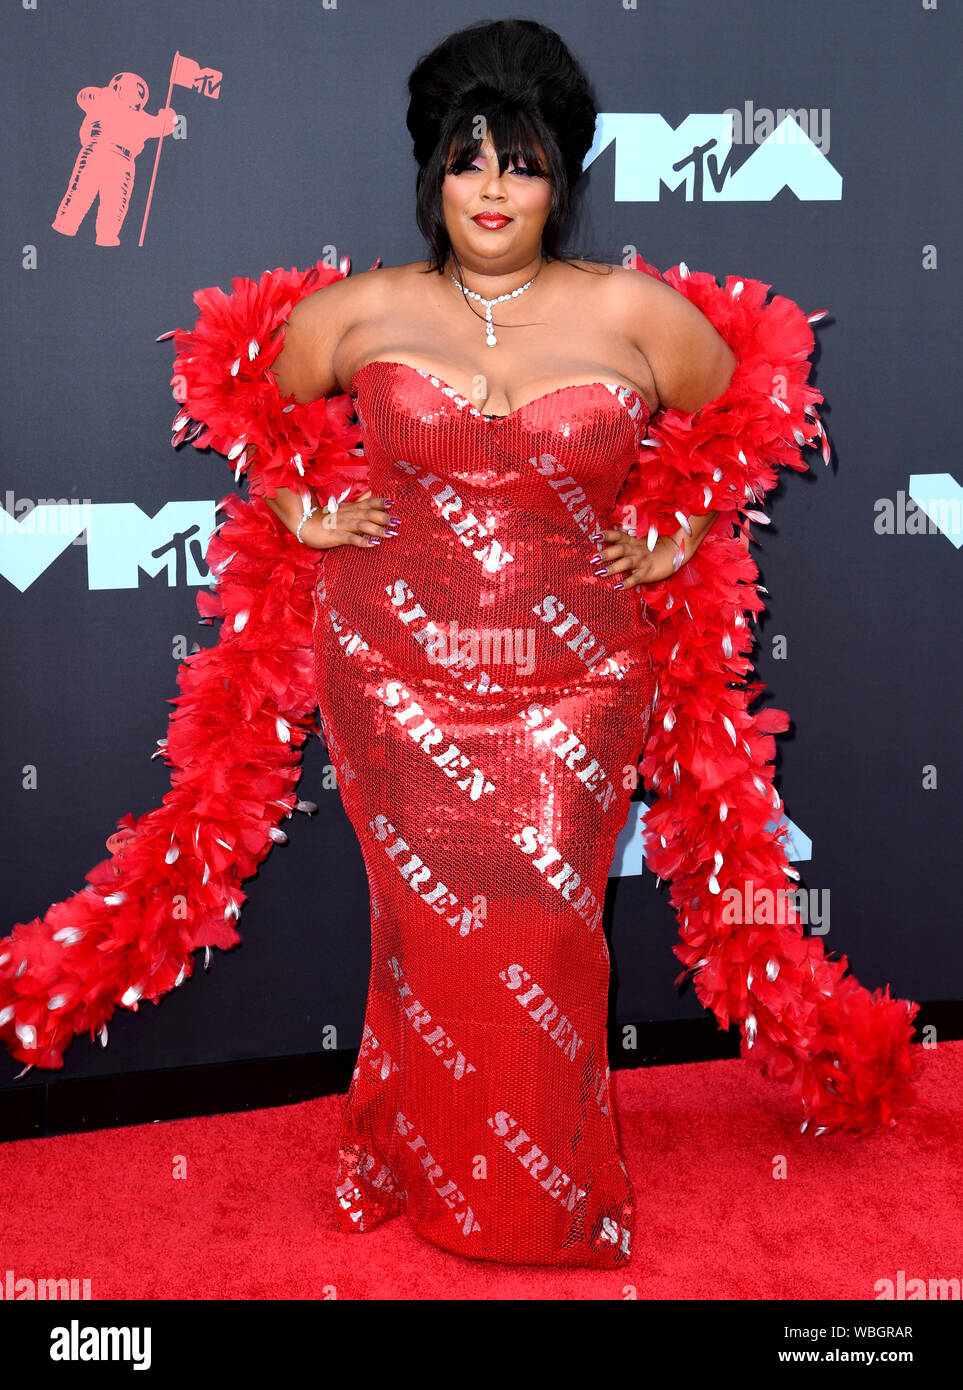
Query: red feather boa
(247, 704)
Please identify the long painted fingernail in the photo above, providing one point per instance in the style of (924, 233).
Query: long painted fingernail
(373, 540)
(389, 502)
(618, 585)
(394, 520)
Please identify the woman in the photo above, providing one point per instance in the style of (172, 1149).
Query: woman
(487, 674)
(400, 721)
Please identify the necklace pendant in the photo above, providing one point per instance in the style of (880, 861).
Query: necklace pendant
(490, 338)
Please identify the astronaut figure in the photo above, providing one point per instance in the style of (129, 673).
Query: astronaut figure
(112, 135)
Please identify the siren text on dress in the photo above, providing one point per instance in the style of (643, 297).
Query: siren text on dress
(484, 777)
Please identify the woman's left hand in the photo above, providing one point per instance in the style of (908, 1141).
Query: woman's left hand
(629, 561)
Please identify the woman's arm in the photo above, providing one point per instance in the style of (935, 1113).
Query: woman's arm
(690, 360)
(304, 369)
(691, 364)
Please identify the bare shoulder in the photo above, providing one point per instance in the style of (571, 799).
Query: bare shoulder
(690, 360)
(634, 290)
(332, 310)
(317, 324)
(635, 300)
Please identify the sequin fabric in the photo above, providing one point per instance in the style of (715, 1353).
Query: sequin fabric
(482, 693)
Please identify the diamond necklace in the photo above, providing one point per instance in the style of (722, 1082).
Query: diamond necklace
(490, 338)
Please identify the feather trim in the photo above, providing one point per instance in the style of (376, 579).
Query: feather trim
(245, 707)
(231, 400)
(846, 1052)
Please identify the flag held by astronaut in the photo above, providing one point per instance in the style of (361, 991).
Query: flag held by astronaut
(187, 73)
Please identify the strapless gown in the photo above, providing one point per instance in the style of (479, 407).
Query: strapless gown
(482, 693)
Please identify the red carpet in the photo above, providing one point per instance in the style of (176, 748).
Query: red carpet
(253, 1218)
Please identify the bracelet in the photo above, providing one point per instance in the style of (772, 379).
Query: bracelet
(330, 510)
(304, 517)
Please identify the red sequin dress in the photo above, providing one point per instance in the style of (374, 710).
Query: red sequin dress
(481, 692)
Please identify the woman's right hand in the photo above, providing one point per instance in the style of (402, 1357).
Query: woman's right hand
(362, 522)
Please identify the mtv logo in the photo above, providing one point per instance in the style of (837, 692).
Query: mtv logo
(697, 155)
(122, 542)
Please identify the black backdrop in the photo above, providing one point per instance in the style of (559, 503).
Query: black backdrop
(303, 154)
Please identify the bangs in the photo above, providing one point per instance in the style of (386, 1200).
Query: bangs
(512, 133)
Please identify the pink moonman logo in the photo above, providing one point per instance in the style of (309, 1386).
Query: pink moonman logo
(113, 133)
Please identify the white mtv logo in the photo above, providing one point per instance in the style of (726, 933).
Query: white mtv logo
(941, 498)
(122, 541)
(698, 154)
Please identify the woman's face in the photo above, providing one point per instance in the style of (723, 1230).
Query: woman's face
(524, 199)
